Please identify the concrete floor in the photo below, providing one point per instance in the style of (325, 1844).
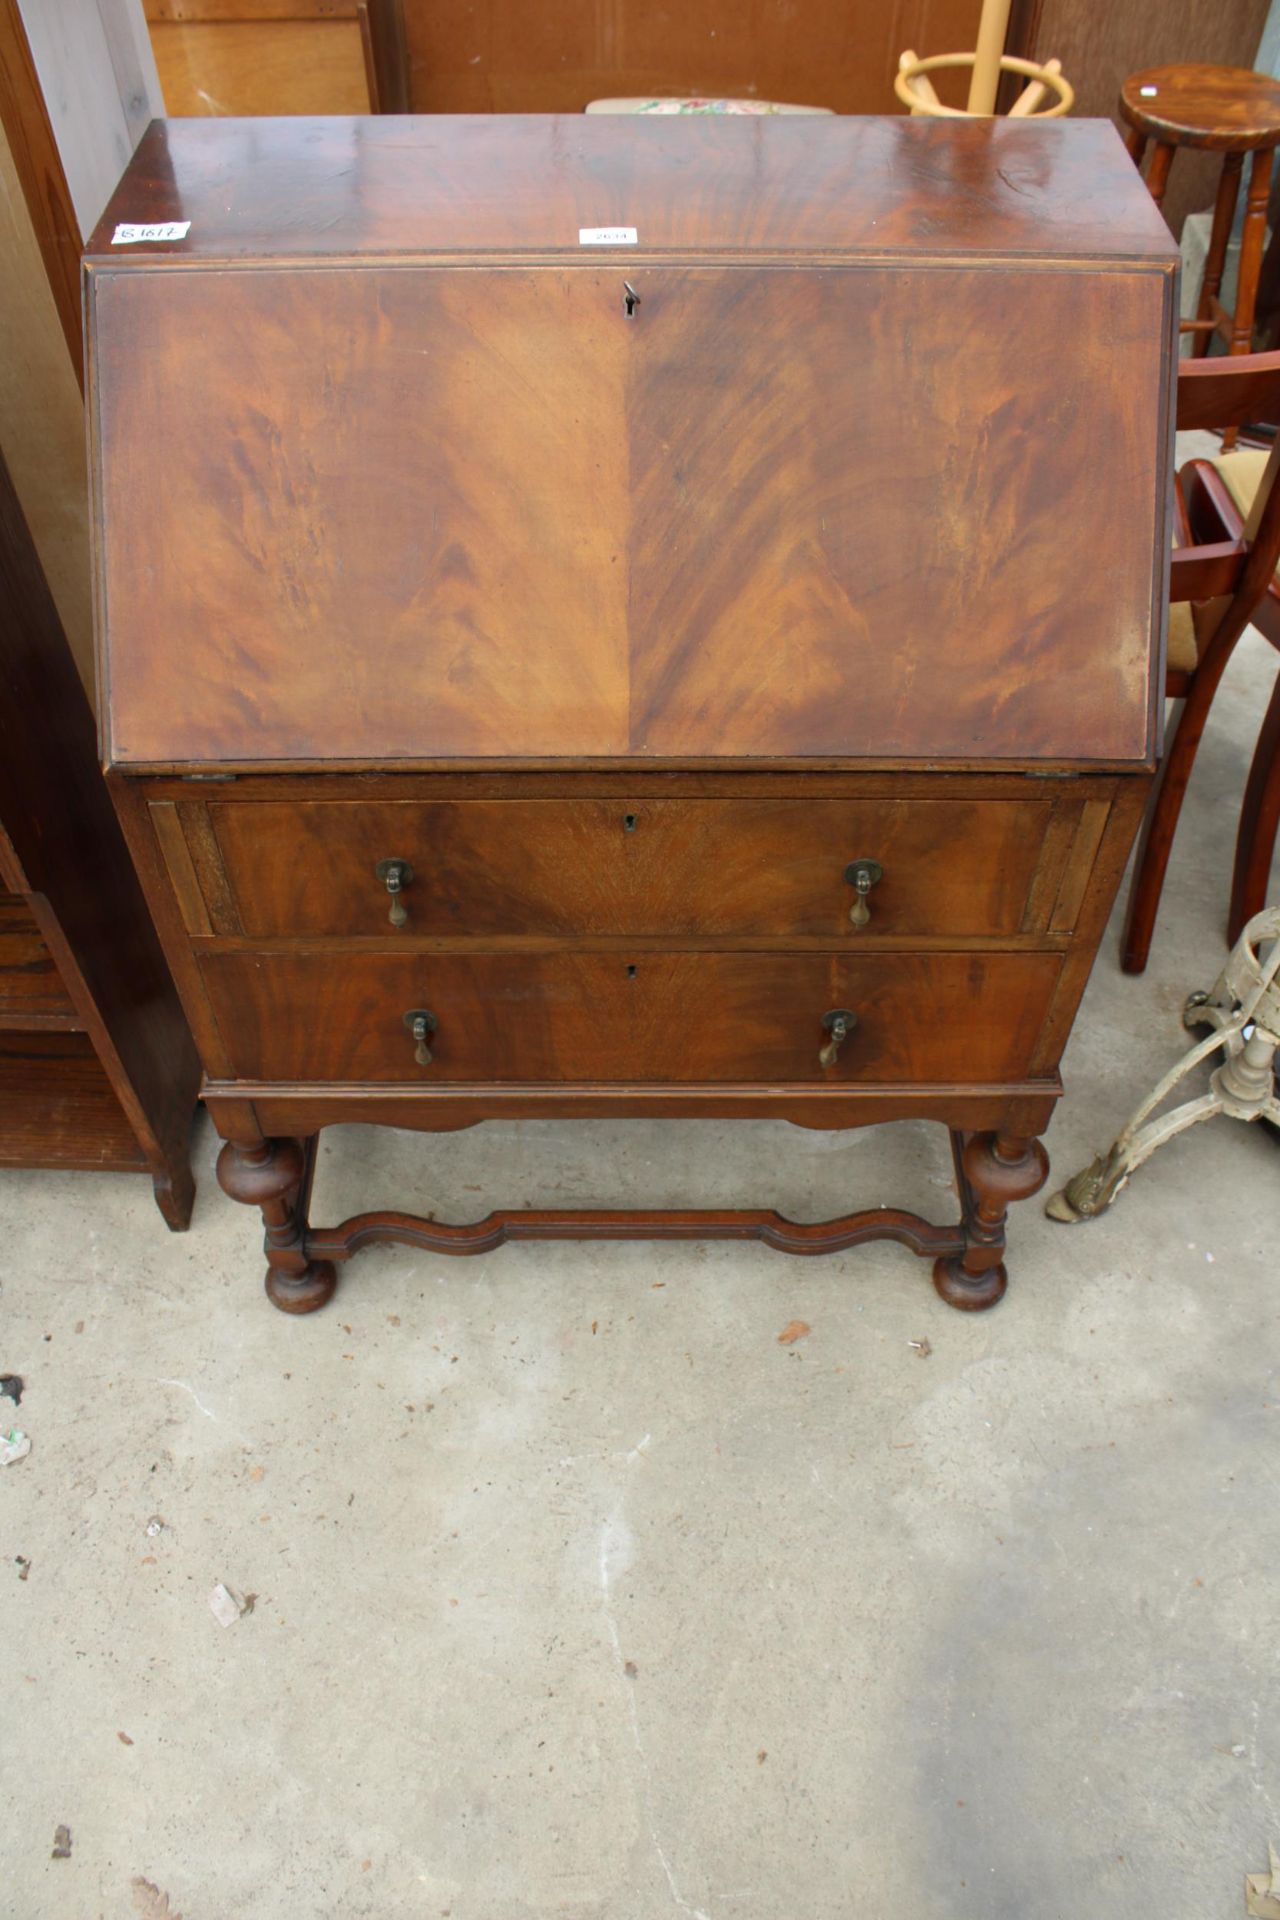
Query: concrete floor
(578, 1594)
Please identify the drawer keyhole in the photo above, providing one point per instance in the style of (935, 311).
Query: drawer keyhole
(630, 300)
(629, 821)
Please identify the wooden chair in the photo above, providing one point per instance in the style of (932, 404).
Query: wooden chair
(1223, 579)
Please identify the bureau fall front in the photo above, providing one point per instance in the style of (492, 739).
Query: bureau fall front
(715, 674)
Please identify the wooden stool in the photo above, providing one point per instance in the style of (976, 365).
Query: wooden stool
(1232, 112)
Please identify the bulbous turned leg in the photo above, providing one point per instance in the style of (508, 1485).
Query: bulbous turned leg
(994, 1170)
(271, 1176)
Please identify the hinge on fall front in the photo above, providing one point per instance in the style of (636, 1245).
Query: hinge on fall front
(1048, 773)
(210, 776)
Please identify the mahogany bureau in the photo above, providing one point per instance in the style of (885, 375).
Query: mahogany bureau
(612, 617)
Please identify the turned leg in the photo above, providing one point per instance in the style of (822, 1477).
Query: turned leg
(1158, 171)
(273, 1175)
(1252, 241)
(1224, 212)
(992, 1171)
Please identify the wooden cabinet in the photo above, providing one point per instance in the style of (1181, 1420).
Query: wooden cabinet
(97, 1067)
(714, 672)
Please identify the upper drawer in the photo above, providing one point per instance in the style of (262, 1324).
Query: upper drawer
(690, 867)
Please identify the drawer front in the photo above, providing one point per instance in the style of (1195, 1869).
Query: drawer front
(494, 869)
(721, 1017)
(30, 984)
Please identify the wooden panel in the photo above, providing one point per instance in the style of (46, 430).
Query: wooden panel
(416, 514)
(206, 858)
(256, 11)
(271, 66)
(475, 185)
(504, 56)
(42, 420)
(403, 495)
(38, 166)
(677, 1017)
(29, 980)
(56, 812)
(841, 558)
(57, 1107)
(1076, 878)
(180, 866)
(100, 89)
(711, 867)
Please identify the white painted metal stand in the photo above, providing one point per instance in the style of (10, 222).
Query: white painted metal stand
(1244, 1012)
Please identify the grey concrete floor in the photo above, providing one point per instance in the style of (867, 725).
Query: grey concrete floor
(578, 1594)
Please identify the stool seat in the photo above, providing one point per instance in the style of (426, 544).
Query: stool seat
(1225, 108)
(1234, 112)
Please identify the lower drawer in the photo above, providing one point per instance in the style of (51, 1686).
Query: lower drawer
(564, 1017)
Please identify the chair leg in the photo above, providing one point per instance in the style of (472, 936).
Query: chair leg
(1164, 806)
(1224, 212)
(1259, 823)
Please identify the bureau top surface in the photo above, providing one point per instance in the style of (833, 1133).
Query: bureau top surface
(712, 184)
(857, 456)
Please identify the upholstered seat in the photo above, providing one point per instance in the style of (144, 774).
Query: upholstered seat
(695, 103)
(1241, 473)
(1183, 652)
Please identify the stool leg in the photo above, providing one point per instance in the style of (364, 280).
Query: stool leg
(1158, 173)
(1136, 141)
(1224, 212)
(1251, 245)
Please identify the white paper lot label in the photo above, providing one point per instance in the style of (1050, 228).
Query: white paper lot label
(128, 236)
(606, 236)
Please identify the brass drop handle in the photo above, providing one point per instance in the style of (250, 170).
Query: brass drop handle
(421, 1024)
(395, 876)
(839, 1023)
(862, 874)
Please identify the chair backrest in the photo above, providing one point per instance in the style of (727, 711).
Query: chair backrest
(1228, 392)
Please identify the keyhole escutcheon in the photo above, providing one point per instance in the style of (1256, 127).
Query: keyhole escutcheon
(630, 300)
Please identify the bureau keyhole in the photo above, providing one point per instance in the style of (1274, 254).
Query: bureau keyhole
(631, 973)
(630, 300)
(628, 822)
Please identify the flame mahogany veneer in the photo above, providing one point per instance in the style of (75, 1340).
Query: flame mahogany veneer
(714, 673)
